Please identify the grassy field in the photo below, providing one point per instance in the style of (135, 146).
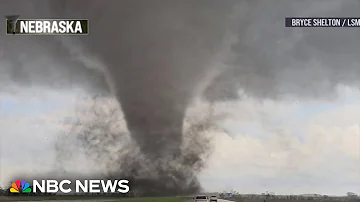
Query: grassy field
(107, 199)
(288, 200)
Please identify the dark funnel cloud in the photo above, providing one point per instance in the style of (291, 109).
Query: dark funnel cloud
(152, 53)
(155, 53)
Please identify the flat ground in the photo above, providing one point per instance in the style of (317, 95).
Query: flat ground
(94, 199)
(287, 200)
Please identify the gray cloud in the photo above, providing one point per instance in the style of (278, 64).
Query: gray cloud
(152, 55)
(270, 60)
(154, 52)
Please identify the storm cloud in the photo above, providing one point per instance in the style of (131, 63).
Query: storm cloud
(151, 55)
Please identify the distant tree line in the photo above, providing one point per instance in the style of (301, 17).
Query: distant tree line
(271, 196)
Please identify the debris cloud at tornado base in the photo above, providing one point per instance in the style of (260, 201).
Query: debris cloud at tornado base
(151, 56)
(157, 57)
(155, 53)
(100, 131)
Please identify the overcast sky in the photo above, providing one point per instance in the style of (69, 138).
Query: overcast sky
(287, 146)
(294, 129)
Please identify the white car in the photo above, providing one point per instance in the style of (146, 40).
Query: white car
(201, 198)
(213, 198)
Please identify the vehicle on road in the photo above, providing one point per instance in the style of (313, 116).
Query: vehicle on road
(201, 198)
(213, 198)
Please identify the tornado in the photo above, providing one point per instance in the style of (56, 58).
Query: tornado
(155, 52)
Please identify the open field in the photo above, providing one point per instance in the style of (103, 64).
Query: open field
(149, 199)
(287, 200)
(290, 200)
(93, 199)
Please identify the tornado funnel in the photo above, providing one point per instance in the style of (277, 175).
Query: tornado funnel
(13, 20)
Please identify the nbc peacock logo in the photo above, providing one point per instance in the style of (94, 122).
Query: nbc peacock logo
(20, 187)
